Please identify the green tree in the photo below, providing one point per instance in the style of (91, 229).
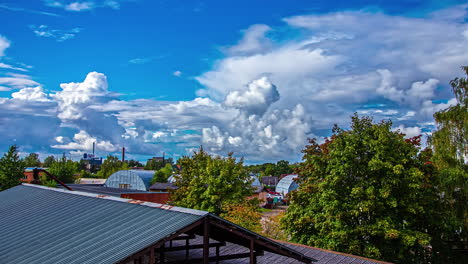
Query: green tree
(162, 175)
(48, 161)
(110, 165)
(450, 145)
(282, 167)
(207, 183)
(154, 164)
(64, 170)
(134, 163)
(32, 160)
(245, 213)
(11, 168)
(361, 192)
(270, 169)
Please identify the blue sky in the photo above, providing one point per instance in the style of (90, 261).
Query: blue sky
(253, 77)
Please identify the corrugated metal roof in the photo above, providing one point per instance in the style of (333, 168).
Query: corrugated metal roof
(49, 225)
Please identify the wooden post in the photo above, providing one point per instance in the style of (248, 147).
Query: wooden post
(253, 258)
(206, 242)
(161, 253)
(187, 249)
(151, 255)
(217, 254)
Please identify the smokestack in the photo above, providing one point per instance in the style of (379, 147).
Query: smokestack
(123, 154)
(94, 143)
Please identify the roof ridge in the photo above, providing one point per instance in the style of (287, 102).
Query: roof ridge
(122, 200)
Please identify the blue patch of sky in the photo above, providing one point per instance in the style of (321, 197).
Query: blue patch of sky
(176, 35)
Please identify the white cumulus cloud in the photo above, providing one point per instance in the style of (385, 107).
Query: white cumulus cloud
(31, 94)
(258, 97)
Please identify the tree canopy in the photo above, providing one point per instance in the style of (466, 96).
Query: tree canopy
(48, 161)
(64, 169)
(362, 193)
(32, 160)
(110, 165)
(450, 144)
(11, 168)
(208, 183)
(162, 175)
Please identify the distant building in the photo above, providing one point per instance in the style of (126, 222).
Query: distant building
(28, 174)
(270, 180)
(91, 162)
(90, 181)
(172, 178)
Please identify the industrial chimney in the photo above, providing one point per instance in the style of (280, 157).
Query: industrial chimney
(123, 154)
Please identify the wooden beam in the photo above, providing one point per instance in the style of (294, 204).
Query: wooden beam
(179, 248)
(184, 237)
(278, 249)
(162, 241)
(226, 257)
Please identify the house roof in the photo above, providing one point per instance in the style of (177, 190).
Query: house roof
(101, 189)
(163, 186)
(50, 225)
(320, 255)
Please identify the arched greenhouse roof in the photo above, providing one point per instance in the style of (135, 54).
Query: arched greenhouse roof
(130, 179)
(254, 179)
(287, 184)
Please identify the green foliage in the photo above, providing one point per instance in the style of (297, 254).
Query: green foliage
(282, 167)
(271, 227)
(48, 161)
(450, 144)
(64, 170)
(110, 165)
(208, 183)
(270, 170)
(245, 213)
(11, 168)
(162, 175)
(134, 163)
(32, 160)
(153, 164)
(362, 193)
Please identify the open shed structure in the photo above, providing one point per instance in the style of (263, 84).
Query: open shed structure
(50, 225)
(287, 184)
(130, 179)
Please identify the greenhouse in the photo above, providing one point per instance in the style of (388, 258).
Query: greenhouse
(254, 179)
(130, 179)
(287, 184)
